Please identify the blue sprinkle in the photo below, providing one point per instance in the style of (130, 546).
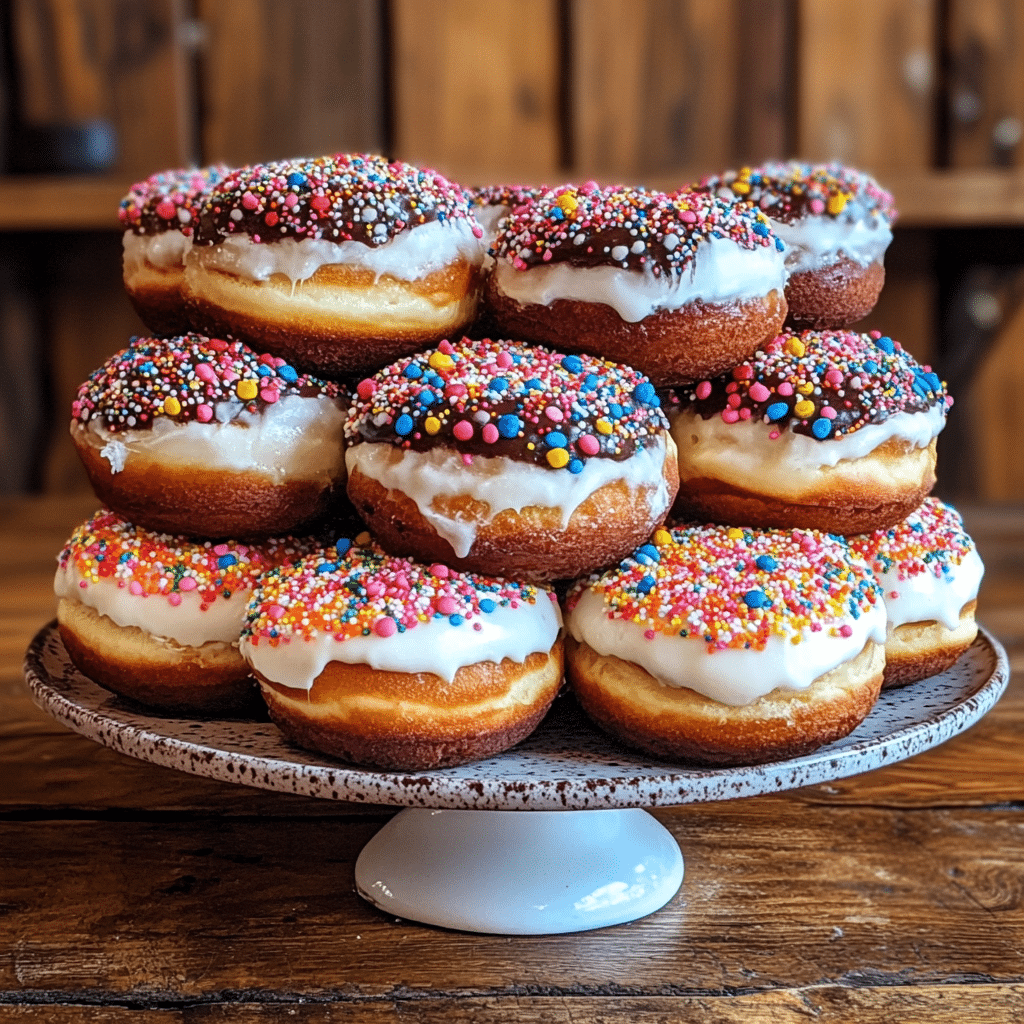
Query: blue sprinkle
(646, 585)
(426, 398)
(534, 384)
(870, 365)
(456, 620)
(295, 178)
(225, 560)
(125, 556)
(413, 371)
(342, 544)
(575, 466)
(556, 439)
(644, 393)
(615, 409)
(821, 428)
(573, 364)
(325, 567)
(403, 425)
(487, 605)
(776, 410)
(288, 373)
(760, 229)
(886, 345)
(591, 381)
(509, 425)
(780, 247)
(558, 213)
(766, 562)
(264, 371)
(499, 384)
(756, 599)
(649, 551)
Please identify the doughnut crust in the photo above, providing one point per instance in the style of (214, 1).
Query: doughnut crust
(680, 724)
(669, 346)
(210, 679)
(917, 650)
(416, 721)
(529, 544)
(156, 293)
(342, 321)
(834, 296)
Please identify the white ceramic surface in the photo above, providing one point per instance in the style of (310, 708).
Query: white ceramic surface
(565, 765)
(520, 872)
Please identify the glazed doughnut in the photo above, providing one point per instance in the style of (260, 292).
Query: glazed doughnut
(836, 224)
(680, 287)
(157, 618)
(930, 572)
(498, 457)
(339, 264)
(158, 216)
(383, 662)
(824, 430)
(204, 437)
(725, 646)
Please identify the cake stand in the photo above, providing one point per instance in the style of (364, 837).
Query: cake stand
(548, 837)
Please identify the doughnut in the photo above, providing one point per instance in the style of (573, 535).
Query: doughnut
(511, 460)
(156, 617)
(836, 224)
(339, 264)
(824, 430)
(679, 287)
(204, 437)
(158, 216)
(386, 663)
(723, 646)
(930, 572)
(493, 203)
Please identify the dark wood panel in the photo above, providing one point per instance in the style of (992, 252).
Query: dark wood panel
(298, 79)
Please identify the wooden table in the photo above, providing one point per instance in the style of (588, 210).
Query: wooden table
(132, 892)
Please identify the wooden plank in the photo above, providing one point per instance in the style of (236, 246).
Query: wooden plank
(986, 87)
(295, 79)
(84, 59)
(476, 88)
(61, 203)
(660, 86)
(775, 897)
(867, 83)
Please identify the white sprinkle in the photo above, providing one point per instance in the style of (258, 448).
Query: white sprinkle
(638, 246)
(236, 214)
(671, 241)
(620, 252)
(183, 215)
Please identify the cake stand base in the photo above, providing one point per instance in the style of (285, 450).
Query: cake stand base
(520, 872)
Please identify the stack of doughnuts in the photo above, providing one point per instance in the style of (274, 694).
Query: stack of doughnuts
(463, 402)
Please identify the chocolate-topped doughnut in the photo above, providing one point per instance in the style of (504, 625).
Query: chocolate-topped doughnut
(204, 437)
(930, 572)
(493, 203)
(836, 223)
(678, 286)
(159, 217)
(827, 430)
(724, 645)
(339, 264)
(384, 662)
(157, 617)
(508, 459)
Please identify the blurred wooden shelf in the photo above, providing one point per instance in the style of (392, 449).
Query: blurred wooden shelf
(30, 203)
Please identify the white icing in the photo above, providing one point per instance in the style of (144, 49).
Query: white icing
(412, 254)
(815, 242)
(924, 597)
(502, 483)
(186, 623)
(166, 250)
(490, 217)
(435, 646)
(722, 271)
(735, 677)
(296, 438)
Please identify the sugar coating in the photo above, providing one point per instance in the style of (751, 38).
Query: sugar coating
(504, 398)
(824, 384)
(168, 201)
(630, 228)
(342, 197)
(791, 190)
(188, 378)
(107, 548)
(735, 588)
(930, 541)
(350, 590)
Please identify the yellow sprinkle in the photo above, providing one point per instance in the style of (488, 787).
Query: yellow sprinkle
(530, 445)
(795, 347)
(662, 537)
(740, 187)
(440, 361)
(836, 203)
(431, 424)
(172, 406)
(558, 457)
(603, 427)
(246, 390)
(735, 533)
(803, 409)
(568, 204)
(806, 388)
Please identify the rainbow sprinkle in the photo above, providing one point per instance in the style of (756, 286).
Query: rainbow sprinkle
(188, 378)
(168, 201)
(824, 384)
(504, 398)
(735, 588)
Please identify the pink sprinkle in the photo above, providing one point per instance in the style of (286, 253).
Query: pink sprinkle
(385, 627)
(249, 201)
(220, 549)
(504, 360)
(554, 413)
(894, 594)
(785, 389)
(745, 413)
(83, 584)
(165, 208)
(490, 433)
(743, 372)
(774, 436)
(204, 371)
(478, 232)
(730, 415)
(447, 605)
(401, 581)
(374, 588)
(467, 459)
(733, 401)
(817, 206)
(547, 256)
(290, 200)
(828, 412)
(445, 347)
(187, 583)
(440, 570)
(366, 388)
(588, 444)
(463, 430)
(320, 203)
(846, 630)
(834, 377)
(269, 395)
(649, 634)
(275, 611)
(174, 599)
(204, 413)
(703, 389)
(759, 393)
(688, 217)
(135, 587)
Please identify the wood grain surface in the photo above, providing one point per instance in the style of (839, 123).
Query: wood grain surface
(133, 891)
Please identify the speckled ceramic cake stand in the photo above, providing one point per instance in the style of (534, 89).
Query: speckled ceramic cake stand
(578, 853)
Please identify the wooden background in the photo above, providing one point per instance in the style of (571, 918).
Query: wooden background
(927, 94)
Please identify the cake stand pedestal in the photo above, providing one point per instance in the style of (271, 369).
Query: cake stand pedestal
(548, 837)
